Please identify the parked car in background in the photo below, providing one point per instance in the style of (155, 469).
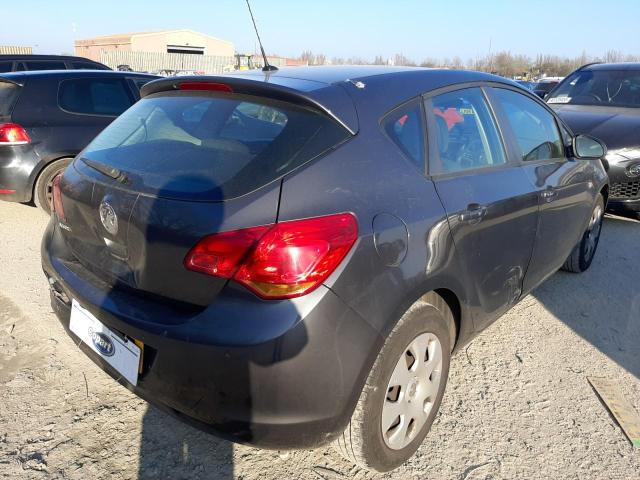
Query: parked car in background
(544, 86)
(603, 100)
(526, 84)
(274, 257)
(166, 72)
(16, 63)
(47, 117)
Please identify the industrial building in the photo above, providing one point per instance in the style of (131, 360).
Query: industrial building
(168, 41)
(15, 50)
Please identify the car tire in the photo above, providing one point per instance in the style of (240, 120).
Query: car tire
(42, 195)
(583, 253)
(364, 442)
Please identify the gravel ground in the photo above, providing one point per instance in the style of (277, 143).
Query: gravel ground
(518, 404)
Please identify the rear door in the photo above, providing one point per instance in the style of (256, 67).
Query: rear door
(490, 203)
(561, 184)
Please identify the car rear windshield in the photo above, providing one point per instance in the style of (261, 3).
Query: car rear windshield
(8, 96)
(617, 88)
(210, 146)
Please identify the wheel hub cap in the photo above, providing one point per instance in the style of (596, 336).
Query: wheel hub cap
(412, 391)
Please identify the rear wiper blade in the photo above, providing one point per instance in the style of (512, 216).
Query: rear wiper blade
(111, 172)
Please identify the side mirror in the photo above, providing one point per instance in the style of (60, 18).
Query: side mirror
(586, 147)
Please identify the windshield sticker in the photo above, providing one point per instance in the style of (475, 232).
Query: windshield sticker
(559, 100)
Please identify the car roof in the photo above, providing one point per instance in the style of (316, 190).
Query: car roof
(328, 75)
(17, 77)
(612, 66)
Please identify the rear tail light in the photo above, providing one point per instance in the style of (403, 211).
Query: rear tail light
(284, 260)
(58, 207)
(13, 134)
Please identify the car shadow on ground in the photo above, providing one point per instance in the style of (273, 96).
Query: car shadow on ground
(172, 449)
(602, 305)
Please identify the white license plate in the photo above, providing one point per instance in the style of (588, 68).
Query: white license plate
(121, 354)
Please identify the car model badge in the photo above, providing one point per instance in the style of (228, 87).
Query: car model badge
(108, 218)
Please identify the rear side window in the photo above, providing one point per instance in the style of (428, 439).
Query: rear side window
(44, 65)
(405, 128)
(8, 96)
(211, 146)
(86, 66)
(94, 96)
(6, 67)
(534, 128)
(467, 136)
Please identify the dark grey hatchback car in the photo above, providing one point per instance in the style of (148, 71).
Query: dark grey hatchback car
(290, 259)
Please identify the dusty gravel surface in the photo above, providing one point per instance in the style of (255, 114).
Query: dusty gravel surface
(518, 404)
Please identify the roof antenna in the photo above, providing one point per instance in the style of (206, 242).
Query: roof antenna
(267, 67)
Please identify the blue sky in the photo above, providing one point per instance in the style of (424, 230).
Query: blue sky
(417, 29)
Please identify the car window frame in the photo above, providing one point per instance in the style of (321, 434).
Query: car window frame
(131, 83)
(45, 61)
(512, 137)
(432, 142)
(123, 80)
(12, 66)
(425, 148)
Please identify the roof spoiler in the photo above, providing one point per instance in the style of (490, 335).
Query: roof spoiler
(587, 65)
(242, 86)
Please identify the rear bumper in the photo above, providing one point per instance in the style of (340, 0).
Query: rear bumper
(280, 374)
(17, 164)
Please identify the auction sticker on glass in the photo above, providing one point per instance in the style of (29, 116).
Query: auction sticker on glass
(120, 353)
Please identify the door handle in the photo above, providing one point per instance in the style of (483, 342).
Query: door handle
(474, 214)
(548, 195)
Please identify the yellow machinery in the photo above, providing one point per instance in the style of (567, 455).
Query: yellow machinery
(244, 62)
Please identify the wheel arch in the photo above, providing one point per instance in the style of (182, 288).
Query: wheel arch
(604, 191)
(452, 301)
(37, 171)
(442, 298)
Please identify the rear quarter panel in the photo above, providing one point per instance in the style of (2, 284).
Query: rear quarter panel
(369, 176)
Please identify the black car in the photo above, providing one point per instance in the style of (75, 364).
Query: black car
(603, 100)
(543, 87)
(47, 117)
(289, 259)
(527, 85)
(18, 63)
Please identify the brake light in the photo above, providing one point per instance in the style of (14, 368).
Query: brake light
(284, 260)
(13, 134)
(220, 254)
(209, 86)
(58, 207)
